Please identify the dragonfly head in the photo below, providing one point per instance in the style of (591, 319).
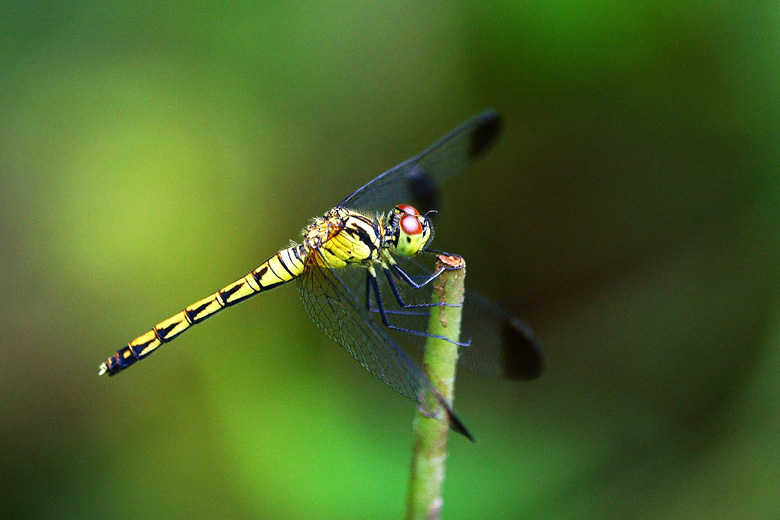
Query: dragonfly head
(410, 230)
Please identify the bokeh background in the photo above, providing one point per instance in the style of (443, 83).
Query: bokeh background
(152, 152)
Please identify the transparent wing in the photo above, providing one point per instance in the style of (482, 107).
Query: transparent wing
(417, 180)
(502, 346)
(333, 306)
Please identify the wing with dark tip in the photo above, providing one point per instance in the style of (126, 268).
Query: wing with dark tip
(502, 346)
(418, 179)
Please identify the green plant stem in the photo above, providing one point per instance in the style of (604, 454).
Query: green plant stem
(429, 454)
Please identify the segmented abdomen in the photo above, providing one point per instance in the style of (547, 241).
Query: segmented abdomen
(284, 266)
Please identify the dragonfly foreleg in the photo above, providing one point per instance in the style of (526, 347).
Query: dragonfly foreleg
(400, 312)
(399, 299)
(409, 279)
(383, 314)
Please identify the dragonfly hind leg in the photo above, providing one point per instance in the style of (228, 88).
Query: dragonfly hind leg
(373, 286)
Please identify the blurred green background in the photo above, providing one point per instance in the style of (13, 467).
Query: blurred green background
(151, 153)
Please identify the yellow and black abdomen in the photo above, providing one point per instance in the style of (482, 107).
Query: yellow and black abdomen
(284, 266)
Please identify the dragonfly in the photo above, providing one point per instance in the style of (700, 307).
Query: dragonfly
(363, 272)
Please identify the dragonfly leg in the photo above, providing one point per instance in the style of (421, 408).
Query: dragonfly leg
(408, 279)
(397, 294)
(438, 252)
(401, 312)
(383, 314)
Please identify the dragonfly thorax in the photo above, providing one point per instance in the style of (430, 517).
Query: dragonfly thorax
(343, 237)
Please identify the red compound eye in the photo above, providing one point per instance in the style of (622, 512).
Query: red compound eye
(406, 208)
(410, 224)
